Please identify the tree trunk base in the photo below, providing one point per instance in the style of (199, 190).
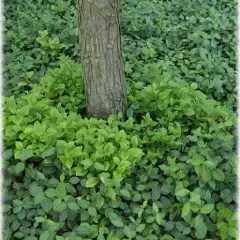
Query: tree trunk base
(101, 56)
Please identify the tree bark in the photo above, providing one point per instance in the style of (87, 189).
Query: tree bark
(101, 57)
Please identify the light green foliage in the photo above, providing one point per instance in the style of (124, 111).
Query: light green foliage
(64, 85)
(168, 169)
(52, 46)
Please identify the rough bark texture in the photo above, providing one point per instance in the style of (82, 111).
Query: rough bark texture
(101, 57)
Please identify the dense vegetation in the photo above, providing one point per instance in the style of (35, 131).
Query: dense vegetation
(167, 172)
(192, 40)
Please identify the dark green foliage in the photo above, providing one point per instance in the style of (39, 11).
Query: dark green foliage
(192, 40)
(168, 172)
(36, 34)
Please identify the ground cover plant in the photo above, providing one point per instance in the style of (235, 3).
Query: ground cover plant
(167, 172)
(196, 43)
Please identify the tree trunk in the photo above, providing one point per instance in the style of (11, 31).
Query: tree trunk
(101, 57)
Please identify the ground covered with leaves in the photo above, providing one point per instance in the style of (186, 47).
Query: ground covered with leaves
(167, 172)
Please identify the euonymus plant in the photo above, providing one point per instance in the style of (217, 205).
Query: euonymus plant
(190, 39)
(167, 172)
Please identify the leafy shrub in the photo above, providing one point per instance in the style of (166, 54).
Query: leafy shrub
(166, 172)
(55, 87)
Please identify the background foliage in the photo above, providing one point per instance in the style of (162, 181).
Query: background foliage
(194, 40)
(166, 172)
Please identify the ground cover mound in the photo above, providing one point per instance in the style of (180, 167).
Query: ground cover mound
(166, 172)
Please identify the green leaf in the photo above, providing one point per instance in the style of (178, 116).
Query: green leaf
(46, 205)
(134, 141)
(203, 53)
(186, 209)
(115, 219)
(135, 153)
(209, 164)
(186, 231)
(59, 206)
(182, 192)
(17, 202)
(40, 175)
(78, 152)
(44, 235)
(62, 177)
(195, 161)
(91, 182)
(125, 193)
(218, 175)
(155, 208)
(39, 198)
(122, 166)
(154, 237)
(127, 67)
(50, 192)
(48, 152)
(207, 208)
(100, 202)
(73, 206)
(160, 218)
(40, 219)
(140, 212)
(87, 163)
(120, 136)
(195, 197)
(83, 230)
(83, 203)
(29, 74)
(35, 189)
(92, 211)
(61, 190)
(111, 193)
(6, 208)
(7, 154)
(198, 219)
(141, 227)
(74, 180)
(19, 167)
(129, 232)
(101, 237)
(189, 112)
(129, 112)
(59, 238)
(19, 145)
(99, 166)
(205, 174)
(109, 149)
(232, 232)
(69, 162)
(201, 230)
(17, 209)
(81, 171)
(26, 153)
